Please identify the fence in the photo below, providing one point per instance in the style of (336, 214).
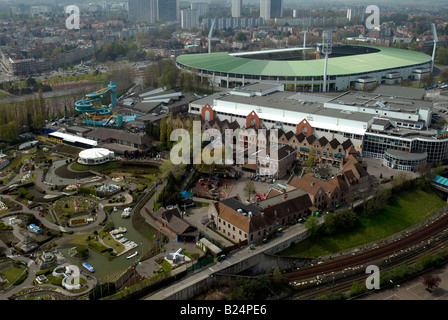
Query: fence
(144, 287)
(236, 246)
(201, 262)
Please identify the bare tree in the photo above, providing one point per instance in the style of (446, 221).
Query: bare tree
(430, 281)
(427, 80)
(399, 181)
(423, 168)
(444, 74)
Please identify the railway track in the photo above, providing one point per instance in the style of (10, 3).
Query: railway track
(325, 284)
(339, 274)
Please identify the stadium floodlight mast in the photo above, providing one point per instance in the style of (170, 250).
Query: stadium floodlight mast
(327, 48)
(306, 26)
(210, 36)
(436, 40)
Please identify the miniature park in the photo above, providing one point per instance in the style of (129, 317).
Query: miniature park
(82, 222)
(95, 220)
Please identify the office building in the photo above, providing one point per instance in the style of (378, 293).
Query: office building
(168, 10)
(189, 19)
(232, 23)
(271, 9)
(237, 6)
(200, 7)
(143, 10)
(355, 14)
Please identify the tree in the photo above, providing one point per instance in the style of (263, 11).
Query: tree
(347, 220)
(178, 124)
(169, 129)
(444, 74)
(430, 281)
(343, 220)
(163, 136)
(167, 168)
(330, 223)
(249, 189)
(357, 288)
(277, 276)
(312, 226)
(241, 37)
(427, 80)
(378, 203)
(311, 159)
(399, 181)
(442, 56)
(424, 169)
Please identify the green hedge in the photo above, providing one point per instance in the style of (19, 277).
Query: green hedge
(99, 247)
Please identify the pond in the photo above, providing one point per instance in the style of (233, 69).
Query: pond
(112, 267)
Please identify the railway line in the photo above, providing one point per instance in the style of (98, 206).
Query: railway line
(339, 274)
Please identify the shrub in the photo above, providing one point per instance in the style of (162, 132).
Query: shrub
(21, 278)
(29, 196)
(357, 289)
(82, 251)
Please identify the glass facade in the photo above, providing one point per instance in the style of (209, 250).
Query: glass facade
(375, 146)
(403, 160)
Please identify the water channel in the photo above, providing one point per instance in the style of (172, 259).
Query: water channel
(112, 267)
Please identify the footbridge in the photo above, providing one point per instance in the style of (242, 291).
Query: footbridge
(440, 183)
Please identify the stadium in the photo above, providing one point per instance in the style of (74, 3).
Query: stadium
(349, 67)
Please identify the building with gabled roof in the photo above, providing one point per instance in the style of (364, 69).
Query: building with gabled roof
(171, 219)
(394, 128)
(352, 179)
(251, 223)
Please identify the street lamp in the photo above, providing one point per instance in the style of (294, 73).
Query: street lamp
(394, 286)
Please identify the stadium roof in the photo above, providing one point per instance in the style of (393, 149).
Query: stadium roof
(385, 58)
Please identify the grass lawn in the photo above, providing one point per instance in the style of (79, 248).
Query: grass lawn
(100, 167)
(98, 246)
(202, 204)
(18, 161)
(151, 179)
(31, 179)
(71, 150)
(411, 208)
(166, 265)
(109, 240)
(12, 273)
(113, 167)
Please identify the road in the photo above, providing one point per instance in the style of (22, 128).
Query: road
(56, 93)
(233, 258)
